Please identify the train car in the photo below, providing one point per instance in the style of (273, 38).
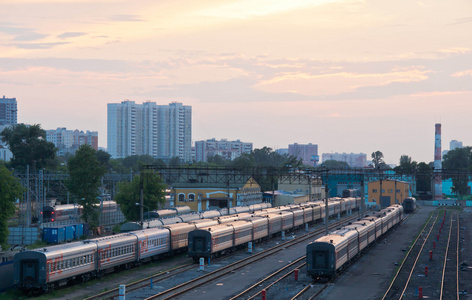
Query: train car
(275, 223)
(260, 227)
(287, 219)
(181, 210)
(298, 217)
(178, 235)
(160, 213)
(203, 223)
(41, 270)
(61, 212)
(189, 217)
(307, 213)
(238, 209)
(348, 193)
(210, 214)
(242, 232)
(409, 205)
(227, 219)
(152, 244)
(114, 251)
(170, 220)
(107, 206)
(369, 226)
(210, 241)
(329, 254)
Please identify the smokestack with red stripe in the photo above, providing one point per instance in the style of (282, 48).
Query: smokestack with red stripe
(437, 163)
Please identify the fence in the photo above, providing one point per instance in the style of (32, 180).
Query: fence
(23, 235)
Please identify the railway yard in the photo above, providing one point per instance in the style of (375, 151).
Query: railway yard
(427, 254)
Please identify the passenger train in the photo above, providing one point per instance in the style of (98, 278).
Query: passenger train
(409, 204)
(329, 254)
(44, 269)
(65, 212)
(216, 240)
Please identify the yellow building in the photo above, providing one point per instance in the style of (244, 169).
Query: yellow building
(387, 192)
(204, 192)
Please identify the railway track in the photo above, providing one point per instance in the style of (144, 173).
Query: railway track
(450, 272)
(402, 278)
(111, 294)
(309, 291)
(430, 268)
(204, 279)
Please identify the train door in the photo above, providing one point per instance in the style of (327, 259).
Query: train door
(385, 201)
(199, 244)
(321, 260)
(29, 272)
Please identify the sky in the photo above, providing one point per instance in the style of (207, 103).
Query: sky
(349, 75)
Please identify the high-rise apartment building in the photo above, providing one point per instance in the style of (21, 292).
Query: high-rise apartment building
(224, 148)
(354, 160)
(307, 153)
(162, 131)
(68, 141)
(8, 111)
(455, 144)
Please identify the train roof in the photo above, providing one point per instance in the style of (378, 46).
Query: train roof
(123, 237)
(182, 209)
(220, 228)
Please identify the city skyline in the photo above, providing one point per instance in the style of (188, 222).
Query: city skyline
(349, 76)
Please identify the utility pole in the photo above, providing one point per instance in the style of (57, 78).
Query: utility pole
(326, 204)
(141, 199)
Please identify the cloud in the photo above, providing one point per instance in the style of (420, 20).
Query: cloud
(126, 18)
(70, 64)
(39, 45)
(66, 35)
(21, 34)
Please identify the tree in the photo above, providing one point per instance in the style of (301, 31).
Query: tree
(377, 159)
(406, 166)
(218, 160)
(423, 177)
(29, 146)
(11, 190)
(85, 176)
(129, 194)
(175, 161)
(335, 164)
(103, 158)
(457, 164)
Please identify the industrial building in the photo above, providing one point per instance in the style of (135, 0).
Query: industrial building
(387, 192)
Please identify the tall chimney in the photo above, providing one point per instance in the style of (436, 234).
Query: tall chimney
(437, 163)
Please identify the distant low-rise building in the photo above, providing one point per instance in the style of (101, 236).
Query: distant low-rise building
(354, 160)
(224, 148)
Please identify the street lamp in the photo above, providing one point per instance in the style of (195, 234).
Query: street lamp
(138, 204)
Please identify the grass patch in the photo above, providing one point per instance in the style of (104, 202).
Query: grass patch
(37, 244)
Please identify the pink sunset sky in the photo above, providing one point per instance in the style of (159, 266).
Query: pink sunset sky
(350, 76)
